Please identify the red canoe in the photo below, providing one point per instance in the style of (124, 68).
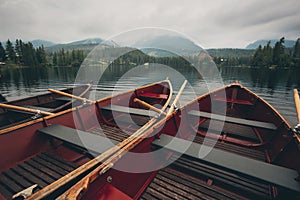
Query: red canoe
(49, 102)
(253, 154)
(47, 155)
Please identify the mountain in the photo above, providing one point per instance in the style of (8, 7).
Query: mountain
(164, 45)
(86, 44)
(254, 45)
(86, 41)
(38, 43)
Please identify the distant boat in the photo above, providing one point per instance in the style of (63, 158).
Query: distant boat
(48, 102)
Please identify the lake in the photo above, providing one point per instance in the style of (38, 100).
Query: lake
(275, 86)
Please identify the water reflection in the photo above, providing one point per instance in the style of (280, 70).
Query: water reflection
(274, 85)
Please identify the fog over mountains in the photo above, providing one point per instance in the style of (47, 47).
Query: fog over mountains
(254, 45)
(163, 45)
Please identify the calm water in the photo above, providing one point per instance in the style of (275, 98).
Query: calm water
(275, 86)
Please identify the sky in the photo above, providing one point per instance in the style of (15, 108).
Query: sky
(211, 23)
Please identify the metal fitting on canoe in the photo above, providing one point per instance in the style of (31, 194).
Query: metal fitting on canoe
(37, 115)
(297, 128)
(109, 179)
(106, 168)
(175, 106)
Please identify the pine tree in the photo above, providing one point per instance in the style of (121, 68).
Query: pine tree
(41, 56)
(63, 56)
(29, 54)
(2, 53)
(278, 52)
(296, 53)
(54, 59)
(267, 55)
(10, 51)
(258, 57)
(18, 50)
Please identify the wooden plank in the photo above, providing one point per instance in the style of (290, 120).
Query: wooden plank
(177, 186)
(230, 129)
(60, 159)
(45, 177)
(169, 190)
(252, 186)
(273, 174)
(18, 178)
(10, 183)
(92, 142)
(237, 101)
(55, 162)
(30, 177)
(248, 152)
(154, 95)
(44, 169)
(50, 165)
(39, 108)
(63, 99)
(5, 192)
(157, 194)
(135, 111)
(191, 182)
(245, 122)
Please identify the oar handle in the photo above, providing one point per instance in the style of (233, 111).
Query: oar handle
(297, 104)
(177, 98)
(71, 96)
(13, 107)
(145, 104)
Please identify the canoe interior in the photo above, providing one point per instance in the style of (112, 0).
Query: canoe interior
(49, 102)
(29, 156)
(255, 131)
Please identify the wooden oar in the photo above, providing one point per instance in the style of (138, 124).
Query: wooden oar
(71, 96)
(145, 104)
(132, 141)
(13, 107)
(297, 104)
(174, 104)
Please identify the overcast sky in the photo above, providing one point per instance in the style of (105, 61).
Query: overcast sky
(212, 23)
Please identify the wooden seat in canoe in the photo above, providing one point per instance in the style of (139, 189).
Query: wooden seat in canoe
(63, 98)
(234, 120)
(269, 173)
(134, 111)
(154, 95)
(236, 101)
(40, 108)
(92, 142)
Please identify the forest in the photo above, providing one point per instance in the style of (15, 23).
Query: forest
(24, 54)
(277, 56)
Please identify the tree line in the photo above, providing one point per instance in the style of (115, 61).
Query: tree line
(22, 53)
(67, 58)
(277, 56)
